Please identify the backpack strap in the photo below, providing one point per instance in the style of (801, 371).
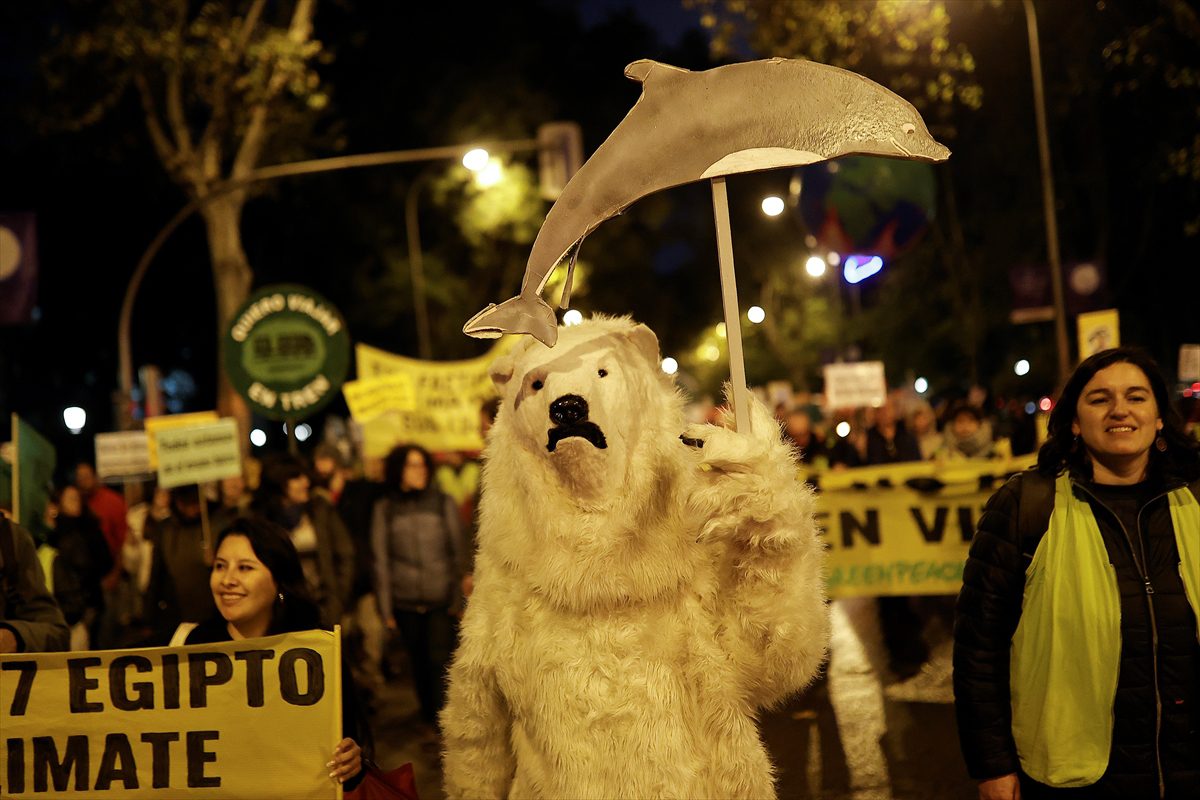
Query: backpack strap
(1034, 508)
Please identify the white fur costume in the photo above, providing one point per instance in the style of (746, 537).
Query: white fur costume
(635, 604)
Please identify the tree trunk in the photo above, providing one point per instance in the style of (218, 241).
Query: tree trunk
(232, 277)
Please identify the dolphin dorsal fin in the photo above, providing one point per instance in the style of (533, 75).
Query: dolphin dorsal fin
(640, 70)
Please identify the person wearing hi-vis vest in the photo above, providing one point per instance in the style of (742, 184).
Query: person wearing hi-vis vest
(1077, 651)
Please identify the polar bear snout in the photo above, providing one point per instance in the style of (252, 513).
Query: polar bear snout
(569, 414)
(570, 409)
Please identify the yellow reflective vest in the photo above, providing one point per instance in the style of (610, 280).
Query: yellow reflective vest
(1066, 651)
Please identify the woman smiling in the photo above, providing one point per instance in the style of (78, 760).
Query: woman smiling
(259, 589)
(1077, 652)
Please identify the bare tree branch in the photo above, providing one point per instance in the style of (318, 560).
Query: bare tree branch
(210, 146)
(158, 137)
(176, 116)
(250, 149)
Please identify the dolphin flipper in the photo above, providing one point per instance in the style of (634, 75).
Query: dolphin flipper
(520, 314)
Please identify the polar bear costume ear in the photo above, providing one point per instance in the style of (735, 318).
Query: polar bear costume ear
(501, 371)
(645, 342)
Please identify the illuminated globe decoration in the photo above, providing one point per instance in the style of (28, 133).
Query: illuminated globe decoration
(875, 206)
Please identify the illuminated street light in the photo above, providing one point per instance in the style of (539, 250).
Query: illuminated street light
(74, 418)
(476, 160)
(843, 429)
(755, 314)
(572, 317)
(712, 353)
(920, 386)
(303, 431)
(670, 365)
(834, 258)
(1021, 367)
(258, 437)
(815, 266)
(720, 329)
(772, 206)
(490, 175)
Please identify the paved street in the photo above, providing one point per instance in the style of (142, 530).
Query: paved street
(843, 739)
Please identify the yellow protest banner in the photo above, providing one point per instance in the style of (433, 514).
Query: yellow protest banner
(896, 540)
(370, 397)
(155, 424)
(443, 413)
(256, 718)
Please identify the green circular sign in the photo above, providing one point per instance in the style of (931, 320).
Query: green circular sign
(287, 351)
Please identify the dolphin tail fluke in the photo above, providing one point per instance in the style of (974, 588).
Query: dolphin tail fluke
(520, 314)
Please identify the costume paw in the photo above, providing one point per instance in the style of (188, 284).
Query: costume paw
(738, 451)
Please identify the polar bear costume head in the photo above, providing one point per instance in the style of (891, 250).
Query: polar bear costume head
(582, 465)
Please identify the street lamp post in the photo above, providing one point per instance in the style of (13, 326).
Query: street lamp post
(1048, 201)
(121, 398)
(416, 266)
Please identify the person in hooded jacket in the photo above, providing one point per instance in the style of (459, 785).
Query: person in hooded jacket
(420, 558)
(1077, 653)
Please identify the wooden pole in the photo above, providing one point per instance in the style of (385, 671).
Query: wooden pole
(733, 320)
(205, 527)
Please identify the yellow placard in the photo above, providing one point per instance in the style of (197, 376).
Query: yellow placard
(895, 540)
(256, 718)
(370, 397)
(155, 424)
(445, 398)
(1098, 330)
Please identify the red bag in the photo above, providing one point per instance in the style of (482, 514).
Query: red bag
(398, 784)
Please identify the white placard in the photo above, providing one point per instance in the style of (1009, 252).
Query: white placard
(857, 385)
(199, 453)
(124, 455)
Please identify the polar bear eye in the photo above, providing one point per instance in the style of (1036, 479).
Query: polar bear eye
(537, 385)
(602, 372)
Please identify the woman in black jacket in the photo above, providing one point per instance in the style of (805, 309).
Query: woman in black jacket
(1077, 654)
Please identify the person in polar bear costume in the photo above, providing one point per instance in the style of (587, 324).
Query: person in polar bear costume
(639, 594)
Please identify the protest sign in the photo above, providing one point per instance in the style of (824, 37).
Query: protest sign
(857, 385)
(198, 454)
(369, 397)
(124, 455)
(1098, 330)
(255, 718)
(155, 424)
(34, 460)
(287, 351)
(894, 540)
(440, 413)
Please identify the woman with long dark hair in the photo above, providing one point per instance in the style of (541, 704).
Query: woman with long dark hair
(420, 558)
(324, 545)
(260, 589)
(1077, 653)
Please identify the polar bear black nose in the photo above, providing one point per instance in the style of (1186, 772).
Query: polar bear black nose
(568, 410)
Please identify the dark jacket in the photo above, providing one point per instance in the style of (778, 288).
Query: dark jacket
(989, 609)
(179, 572)
(26, 607)
(901, 447)
(419, 550)
(83, 549)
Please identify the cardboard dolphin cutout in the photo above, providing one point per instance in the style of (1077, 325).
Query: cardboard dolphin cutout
(690, 126)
